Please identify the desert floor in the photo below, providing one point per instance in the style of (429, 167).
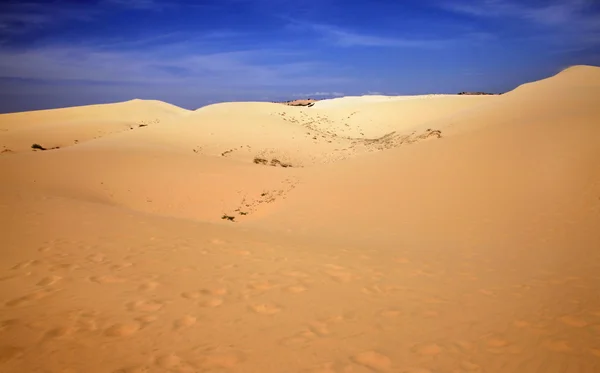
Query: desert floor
(426, 234)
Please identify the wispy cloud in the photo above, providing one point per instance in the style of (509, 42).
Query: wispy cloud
(343, 37)
(246, 68)
(551, 13)
(346, 38)
(35, 15)
(21, 17)
(571, 19)
(154, 5)
(320, 94)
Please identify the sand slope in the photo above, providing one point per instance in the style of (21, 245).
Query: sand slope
(299, 137)
(242, 156)
(473, 251)
(69, 126)
(545, 148)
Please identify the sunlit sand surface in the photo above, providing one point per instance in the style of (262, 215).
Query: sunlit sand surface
(428, 234)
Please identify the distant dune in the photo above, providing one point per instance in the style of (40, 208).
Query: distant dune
(476, 93)
(300, 102)
(436, 233)
(65, 127)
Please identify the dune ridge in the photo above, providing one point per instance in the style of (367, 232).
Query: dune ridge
(67, 126)
(402, 234)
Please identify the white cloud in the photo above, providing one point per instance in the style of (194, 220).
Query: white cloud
(319, 94)
(558, 12)
(155, 5)
(236, 68)
(18, 18)
(346, 38)
(568, 22)
(350, 39)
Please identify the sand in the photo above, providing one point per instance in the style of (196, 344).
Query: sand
(401, 234)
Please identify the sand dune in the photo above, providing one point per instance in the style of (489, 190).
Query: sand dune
(300, 137)
(65, 127)
(372, 250)
(353, 100)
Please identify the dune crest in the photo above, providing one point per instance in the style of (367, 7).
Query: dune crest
(57, 128)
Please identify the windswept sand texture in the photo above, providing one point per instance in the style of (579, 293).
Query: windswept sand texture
(427, 234)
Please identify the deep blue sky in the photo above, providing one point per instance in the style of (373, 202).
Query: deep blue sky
(190, 53)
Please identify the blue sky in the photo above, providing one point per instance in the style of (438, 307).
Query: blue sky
(191, 53)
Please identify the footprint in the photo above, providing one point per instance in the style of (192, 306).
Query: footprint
(149, 286)
(50, 280)
(340, 276)
(265, 309)
(218, 361)
(108, 279)
(390, 313)
(133, 369)
(9, 277)
(185, 321)
(402, 260)
(430, 314)
(296, 274)
(145, 305)
(325, 368)
(122, 329)
(64, 267)
(319, 329)
(191, 295)
(373, 360)
(10, 323)
(97, 258)
(87, 325)
(10, 352)
(521, 324)
(146, 319)
(470, 366)
(573, 321)
(211, 303)
(557, 345)
(295, 289)
(427, 349)
(373, 290)
(118, 267)
(214, 291)
(26, 264)
(169, 361)
(435, 300)
(26, 299)
(261, 286)
(300, 338)
(59, 332)
(462, 347)
(496, 341)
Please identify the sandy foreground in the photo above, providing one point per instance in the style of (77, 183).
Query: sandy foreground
(433, 234)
